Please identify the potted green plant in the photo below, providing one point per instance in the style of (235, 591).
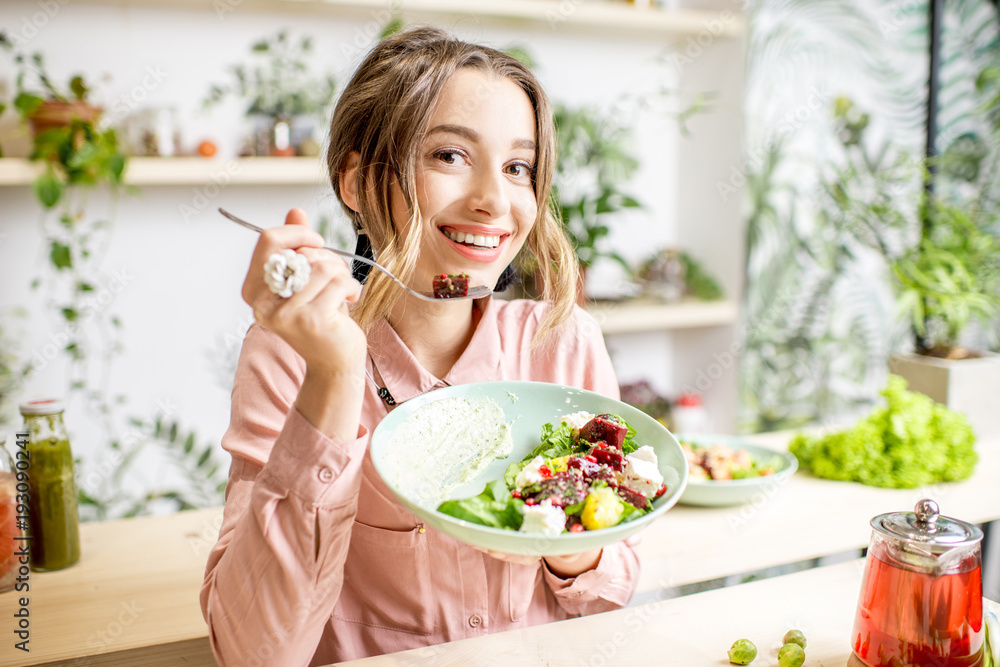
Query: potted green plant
(948, 281)
(281, 95)
(66, 137)
(46, 106)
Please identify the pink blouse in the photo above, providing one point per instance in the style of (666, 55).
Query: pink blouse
(317, 562)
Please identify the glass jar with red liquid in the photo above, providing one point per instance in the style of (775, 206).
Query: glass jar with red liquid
(10, 530)
(921, 599)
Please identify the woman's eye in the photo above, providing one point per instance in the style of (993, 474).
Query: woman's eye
(448, 157)
(519, 169)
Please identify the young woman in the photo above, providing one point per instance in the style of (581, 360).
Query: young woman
(442, 153)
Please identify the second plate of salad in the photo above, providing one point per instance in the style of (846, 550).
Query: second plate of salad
(727, 470)
(529, 468)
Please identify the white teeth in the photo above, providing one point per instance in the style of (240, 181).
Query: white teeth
(474, 239)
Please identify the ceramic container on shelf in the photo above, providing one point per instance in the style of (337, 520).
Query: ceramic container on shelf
(969, 386)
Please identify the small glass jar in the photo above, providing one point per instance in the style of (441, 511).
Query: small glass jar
(154, 132)
(11, 533)
(53, 519)
(921, 600)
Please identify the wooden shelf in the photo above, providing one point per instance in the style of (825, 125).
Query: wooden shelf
(195, 171)
(548, 14)
(641, 315)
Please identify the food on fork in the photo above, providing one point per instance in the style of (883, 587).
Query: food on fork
(450, 286)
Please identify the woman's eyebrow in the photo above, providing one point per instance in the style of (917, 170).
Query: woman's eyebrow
(472, 135)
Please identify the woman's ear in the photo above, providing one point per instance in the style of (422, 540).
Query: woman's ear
(349, 180)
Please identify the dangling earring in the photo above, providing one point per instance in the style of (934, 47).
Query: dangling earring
(361, 270)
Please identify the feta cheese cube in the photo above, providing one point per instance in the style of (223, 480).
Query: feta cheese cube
(530, 473)
(577, 420)
(544, 518)
(642, 472)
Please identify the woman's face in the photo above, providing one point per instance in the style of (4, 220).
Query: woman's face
(474, 179)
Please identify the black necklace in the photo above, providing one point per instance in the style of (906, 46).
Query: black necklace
(383, 392)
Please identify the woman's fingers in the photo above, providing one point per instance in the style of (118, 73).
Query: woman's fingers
(294, 235)
(330, 286)
(296, 216)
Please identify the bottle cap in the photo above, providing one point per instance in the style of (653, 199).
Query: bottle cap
(689, 400)
(42, 406)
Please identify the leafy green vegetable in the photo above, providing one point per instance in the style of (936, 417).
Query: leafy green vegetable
(756, 467)
(493, 507)
(628, 445)
(632, 512)
(510, 474)
(909, 442)
(556, 441)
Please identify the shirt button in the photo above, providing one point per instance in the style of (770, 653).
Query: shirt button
(475, 621)
(325, 475)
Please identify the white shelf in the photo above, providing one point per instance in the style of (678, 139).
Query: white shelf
(549, 14)
(641, 315)
(152, 171)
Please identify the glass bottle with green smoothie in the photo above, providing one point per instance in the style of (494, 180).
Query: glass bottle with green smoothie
(53, 519)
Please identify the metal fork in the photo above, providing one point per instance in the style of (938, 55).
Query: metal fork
(473, 293)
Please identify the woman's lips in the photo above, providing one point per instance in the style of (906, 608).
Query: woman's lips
(477, 253)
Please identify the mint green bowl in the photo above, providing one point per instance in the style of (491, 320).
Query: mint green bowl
(710, 493)
(527, 406)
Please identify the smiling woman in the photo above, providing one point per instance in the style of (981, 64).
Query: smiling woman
(442, 154)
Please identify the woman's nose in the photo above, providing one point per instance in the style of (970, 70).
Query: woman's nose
(489, 195)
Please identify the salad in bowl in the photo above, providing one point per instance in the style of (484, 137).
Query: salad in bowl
(587, 473)
(528, 468)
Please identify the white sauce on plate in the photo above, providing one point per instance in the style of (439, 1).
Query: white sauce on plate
(445, 444)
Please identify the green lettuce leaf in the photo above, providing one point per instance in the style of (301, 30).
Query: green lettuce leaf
(493, 507)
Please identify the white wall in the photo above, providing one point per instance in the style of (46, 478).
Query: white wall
(181, 306)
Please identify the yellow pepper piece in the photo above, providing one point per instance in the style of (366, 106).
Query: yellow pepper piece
(601, 509)
(559, 465)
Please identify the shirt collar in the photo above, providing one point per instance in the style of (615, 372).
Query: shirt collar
(403, 376)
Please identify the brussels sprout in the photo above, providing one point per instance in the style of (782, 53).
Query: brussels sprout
(794, 637)
(742, 652)
(791, 655)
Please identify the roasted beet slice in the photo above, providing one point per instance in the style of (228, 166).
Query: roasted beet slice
(592, 470)
(610, 457)
(633, 497)
(564, 488)
(451, 286)
(606, 428)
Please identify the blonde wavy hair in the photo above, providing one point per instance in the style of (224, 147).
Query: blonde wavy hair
(384, 113)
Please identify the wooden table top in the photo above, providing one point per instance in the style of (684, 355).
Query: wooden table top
(133, 597)
(694, 630)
